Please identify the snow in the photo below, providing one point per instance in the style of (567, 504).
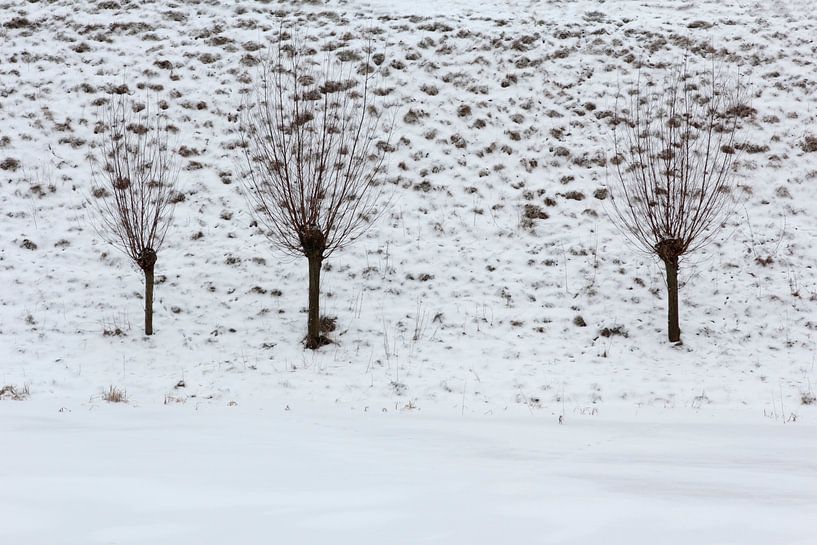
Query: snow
(433, 418)
(449, 287)
(131, 476)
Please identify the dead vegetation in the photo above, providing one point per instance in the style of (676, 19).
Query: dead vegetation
(14, 393)
(115, 395)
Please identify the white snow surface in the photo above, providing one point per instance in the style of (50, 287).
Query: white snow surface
(169, 476)
(433, 418)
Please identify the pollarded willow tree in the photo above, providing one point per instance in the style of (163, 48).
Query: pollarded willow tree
(135, 176)
(675, 151)
(314, 141)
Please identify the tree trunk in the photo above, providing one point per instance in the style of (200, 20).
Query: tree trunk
(673, 328)
(313, 326)
(149, 300)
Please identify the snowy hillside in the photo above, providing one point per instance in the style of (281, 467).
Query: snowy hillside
(453, 284)
(494, 286)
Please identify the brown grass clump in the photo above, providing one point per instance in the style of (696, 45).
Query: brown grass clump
(15, 393)
(115, 395)
(809, 144)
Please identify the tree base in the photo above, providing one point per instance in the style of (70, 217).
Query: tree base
(314, 344)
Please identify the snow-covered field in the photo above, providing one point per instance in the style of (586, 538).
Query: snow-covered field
(169, 476)
(433, 418)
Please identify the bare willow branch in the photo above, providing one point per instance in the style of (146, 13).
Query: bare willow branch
(135, 175)
(314, 143)
(675, 153)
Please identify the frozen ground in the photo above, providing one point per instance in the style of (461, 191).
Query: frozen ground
(119, 475)
(433, 417)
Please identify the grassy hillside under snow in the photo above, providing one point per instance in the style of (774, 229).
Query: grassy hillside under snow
(463, 297)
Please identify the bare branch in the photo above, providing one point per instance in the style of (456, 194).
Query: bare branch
(314, 143)
(675, 153)
(135, 177)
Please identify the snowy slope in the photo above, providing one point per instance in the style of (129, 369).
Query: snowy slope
(498, 108)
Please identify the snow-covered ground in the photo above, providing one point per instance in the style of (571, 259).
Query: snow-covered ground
(452, 286)
(260, 476)
(434, 415)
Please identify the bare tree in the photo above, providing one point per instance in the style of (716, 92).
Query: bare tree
(314, 142)
(674, 162)
(134, 193)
